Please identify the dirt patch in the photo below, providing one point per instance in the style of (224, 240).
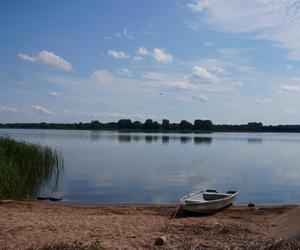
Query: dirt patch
(287, 226)
(42, 225)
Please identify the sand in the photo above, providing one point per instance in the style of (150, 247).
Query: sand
(38, 225)
(287, 226)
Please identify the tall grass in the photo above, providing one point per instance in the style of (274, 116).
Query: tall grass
(26, 167)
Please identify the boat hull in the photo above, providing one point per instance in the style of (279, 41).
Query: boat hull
(207, 207)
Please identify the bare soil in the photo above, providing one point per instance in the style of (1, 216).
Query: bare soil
(46, 225)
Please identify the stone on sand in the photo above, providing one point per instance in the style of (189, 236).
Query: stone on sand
(160, 241)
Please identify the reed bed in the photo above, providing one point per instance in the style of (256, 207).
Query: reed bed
(26, 167)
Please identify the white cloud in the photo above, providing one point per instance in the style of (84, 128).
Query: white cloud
(124, 34)
(161, 56)
(26, 110)
(187, 83)
(118, 115)
(291, 112)
(237, 83)
(201, 74)
(118, 54)
(289, 88)
(169, 109)
(263, 100)
(275, 20)
(124, 72)
(41, 110)
(102, 75)
(207, 43)
(199, 6)
(200, 97)
(219, 70)
(195, 97)
(48, 58)
(289, 67)
(27, 58)
(247, 69)
(142, 51)
(5, 109)
(55, 94)
(172, 82)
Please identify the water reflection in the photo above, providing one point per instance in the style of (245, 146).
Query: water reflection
(112, 167)
(202, 140)
(254, 140)
(164, 139)
(124, 138)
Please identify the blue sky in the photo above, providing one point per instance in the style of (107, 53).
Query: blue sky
(229, 61)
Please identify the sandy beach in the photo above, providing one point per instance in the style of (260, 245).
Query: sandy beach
(46, 225)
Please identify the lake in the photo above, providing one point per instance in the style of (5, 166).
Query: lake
(109, 167)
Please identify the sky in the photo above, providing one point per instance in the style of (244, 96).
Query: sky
(230, 61)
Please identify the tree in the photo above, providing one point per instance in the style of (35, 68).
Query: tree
(185, 125)
(124, 123)
(207, 125)
(255, 126)
(203, 125)
(148, 124)
(156, 125)
(95, 124)
(198, 124)
(137, 125)
(165, 124)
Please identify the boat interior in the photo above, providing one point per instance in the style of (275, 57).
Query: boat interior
(213, 196)
(208, 195)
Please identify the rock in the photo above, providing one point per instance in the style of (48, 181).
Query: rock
(160, 241)
(251, 205)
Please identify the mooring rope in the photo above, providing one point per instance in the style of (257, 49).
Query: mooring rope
(169, 226)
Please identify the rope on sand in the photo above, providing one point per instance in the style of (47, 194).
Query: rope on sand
(160, 241)
(169, 226)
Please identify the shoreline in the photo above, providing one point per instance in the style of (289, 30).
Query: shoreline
(140, 131)
(40, 224)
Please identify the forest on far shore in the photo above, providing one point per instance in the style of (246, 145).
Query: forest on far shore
(153, 126)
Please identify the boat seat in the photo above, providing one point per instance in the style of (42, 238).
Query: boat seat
(213, 196)
(211, 190)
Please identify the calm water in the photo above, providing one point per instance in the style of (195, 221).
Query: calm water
(112, 167)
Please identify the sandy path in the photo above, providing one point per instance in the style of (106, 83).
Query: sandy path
(26, 225)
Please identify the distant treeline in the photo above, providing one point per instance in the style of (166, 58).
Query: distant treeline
(165, 126)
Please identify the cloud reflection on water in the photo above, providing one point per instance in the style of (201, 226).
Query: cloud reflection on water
(112, 167)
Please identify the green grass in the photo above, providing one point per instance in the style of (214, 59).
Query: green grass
(26, 167)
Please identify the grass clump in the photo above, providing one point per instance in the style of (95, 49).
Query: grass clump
(25, 167)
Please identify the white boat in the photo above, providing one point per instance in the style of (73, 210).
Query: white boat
(208, 201)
